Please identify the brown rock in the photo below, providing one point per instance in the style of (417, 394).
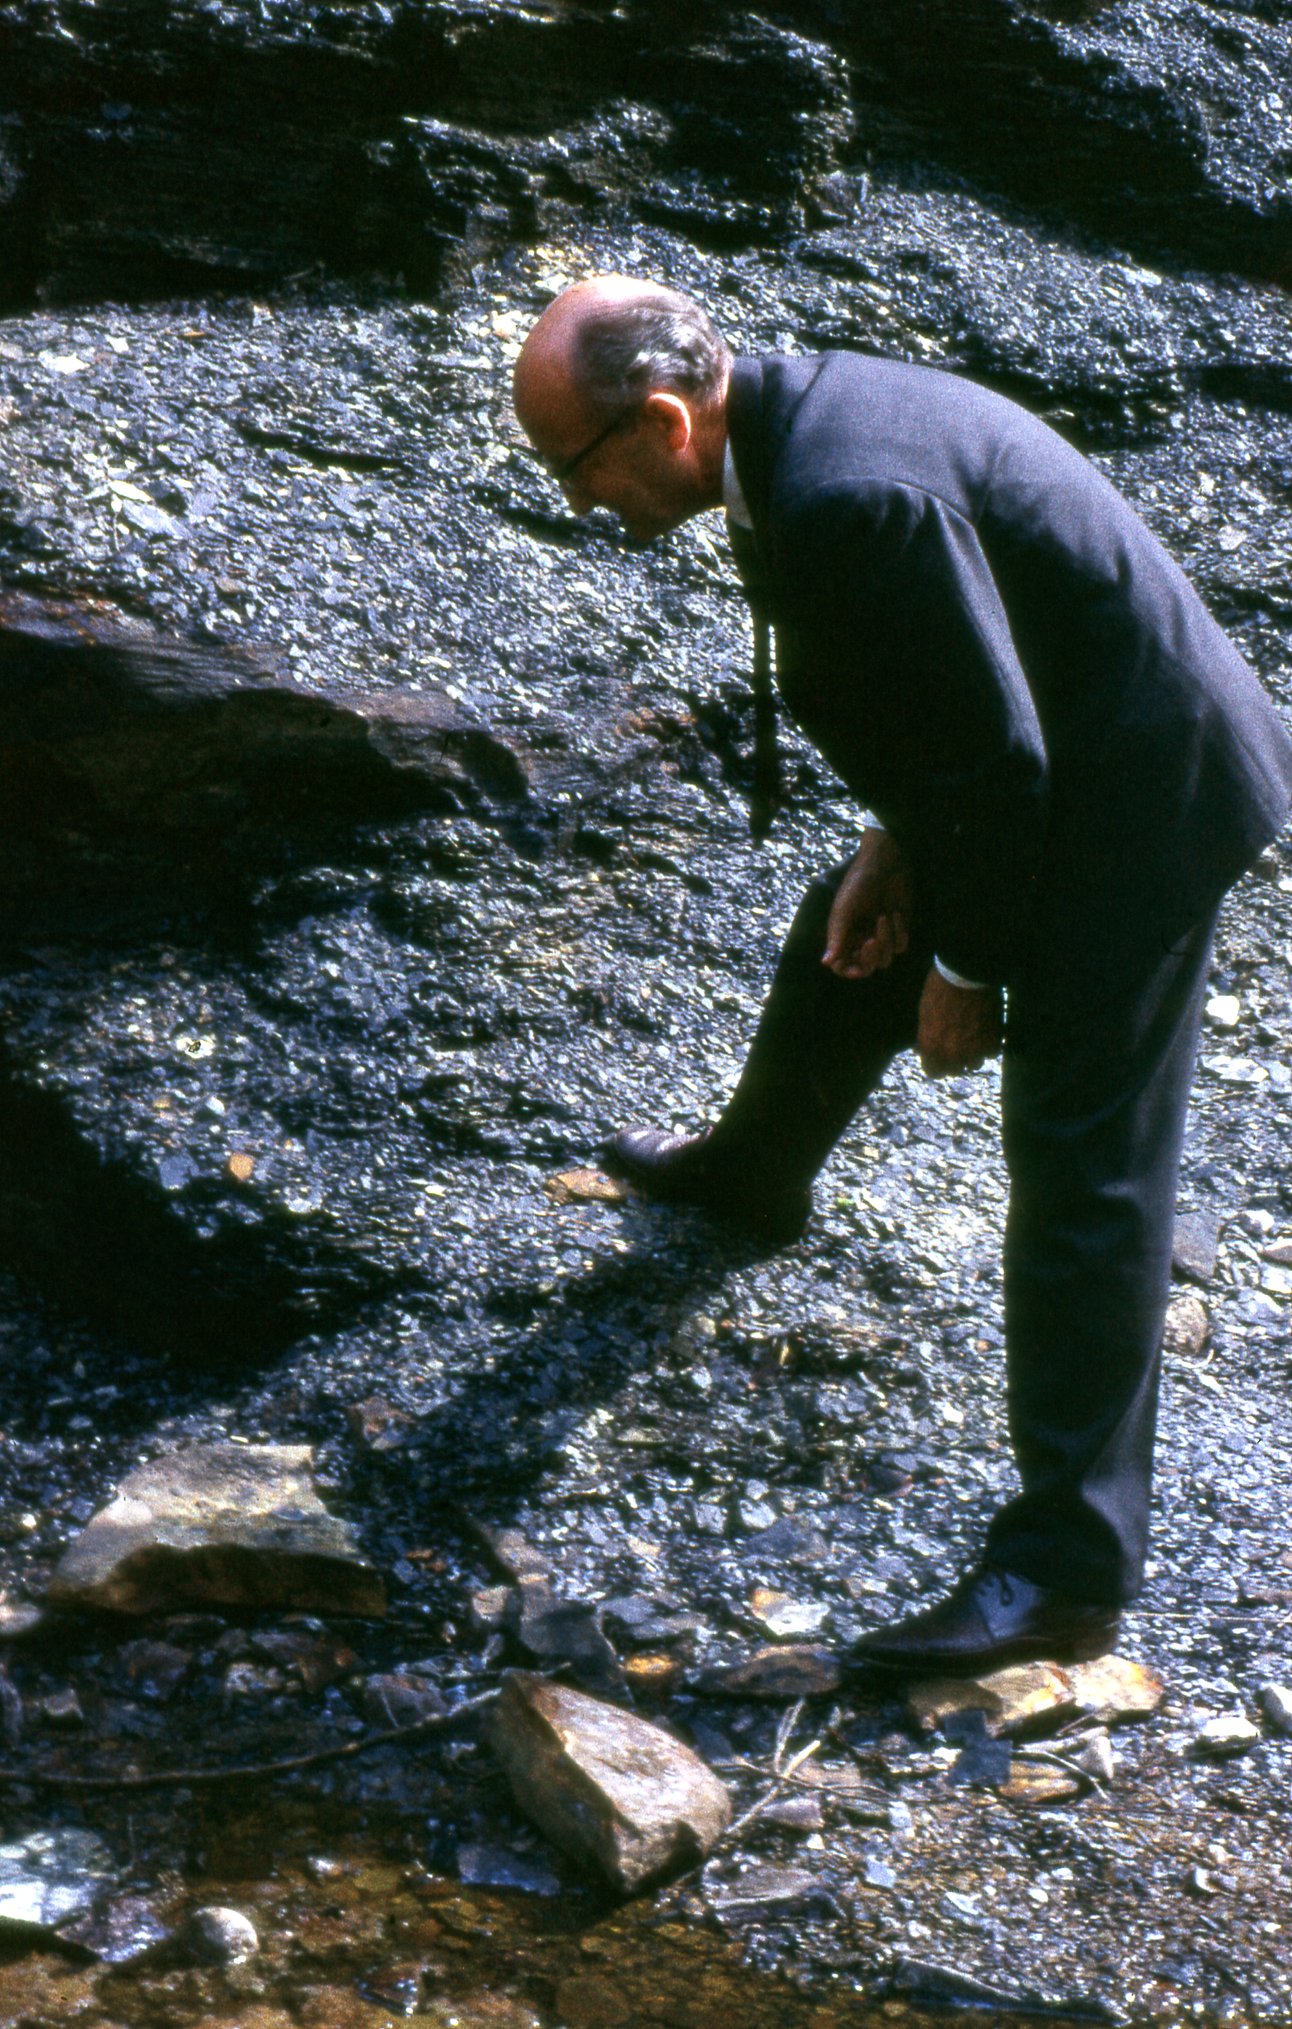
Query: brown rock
(610, 1789)
(585, 1187)
(1114, 1689)
(1187, 1327)
(379, 1425)
(218, 1525)
(1030, 1698)
(780, 1675)
(1040, 1782)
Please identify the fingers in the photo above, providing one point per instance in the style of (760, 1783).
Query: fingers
(849, 960)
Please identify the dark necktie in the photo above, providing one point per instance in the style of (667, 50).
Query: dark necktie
(766, 796)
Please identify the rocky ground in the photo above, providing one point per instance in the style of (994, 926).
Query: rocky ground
(283, 1087)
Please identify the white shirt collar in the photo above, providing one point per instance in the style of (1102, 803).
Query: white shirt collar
(733, 498)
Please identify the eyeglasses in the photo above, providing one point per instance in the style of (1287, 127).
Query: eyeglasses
(565, 468)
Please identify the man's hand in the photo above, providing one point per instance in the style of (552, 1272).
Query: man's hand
(958, 1026)
(868, 922)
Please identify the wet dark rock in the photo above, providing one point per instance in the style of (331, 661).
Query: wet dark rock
(220, 1937)
(556, 1630)
(290, 1094)
(118, 1931)
(220, 1524)
(62, 1709)
(105, 722)
(49, 1877)
(482, 1865)
(12, 1718)
(778, 1674)
(607, 1787)
(795, 1814)
(157, 1669)
(378, 1425)
(398, 1698)
(790, 1540)
(762, 1886)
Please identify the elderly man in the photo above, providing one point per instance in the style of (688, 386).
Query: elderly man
(1068, 764)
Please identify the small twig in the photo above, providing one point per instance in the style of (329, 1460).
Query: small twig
(260, 1771)
(756, 1809)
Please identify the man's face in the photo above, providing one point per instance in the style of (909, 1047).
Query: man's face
(638, 467)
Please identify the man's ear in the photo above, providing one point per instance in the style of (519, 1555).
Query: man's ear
(669, 414)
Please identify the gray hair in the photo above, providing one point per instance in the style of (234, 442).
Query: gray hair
(626, 351)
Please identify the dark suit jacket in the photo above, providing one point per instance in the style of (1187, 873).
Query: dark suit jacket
(1001, 662)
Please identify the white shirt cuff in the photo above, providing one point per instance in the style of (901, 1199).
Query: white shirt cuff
(958, 978)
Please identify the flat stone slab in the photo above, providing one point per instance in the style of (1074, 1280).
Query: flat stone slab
(608, 1788)
(226, 1525)
(777, 1674)
(1029, 1698)
(1113, 1690)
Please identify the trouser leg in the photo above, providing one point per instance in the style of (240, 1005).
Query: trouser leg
(1093, 1119)
(821, 1047)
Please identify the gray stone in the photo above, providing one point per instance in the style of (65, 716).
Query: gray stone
(221, 1937)
(484, 1865)
(1276, 1704)
(117, 1932)
(1193, 1248)
(18, 1617)
(48, 1878)
(218, 1525)
(762, 1887)
(610, 1789)
(1224, 1737)
(556, 1630)
(786, 1619)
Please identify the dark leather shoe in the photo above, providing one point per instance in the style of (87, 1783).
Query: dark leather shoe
(689, 1170)
(992, 1618)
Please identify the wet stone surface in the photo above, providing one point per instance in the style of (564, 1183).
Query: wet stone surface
(279, 1129)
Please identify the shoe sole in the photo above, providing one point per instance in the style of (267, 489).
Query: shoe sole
(1082, 1649)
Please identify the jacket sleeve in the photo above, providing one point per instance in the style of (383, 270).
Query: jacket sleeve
(901, 660)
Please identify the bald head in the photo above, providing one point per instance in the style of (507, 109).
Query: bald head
(606, 344)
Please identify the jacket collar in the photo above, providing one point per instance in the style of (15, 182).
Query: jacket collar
(746, 434)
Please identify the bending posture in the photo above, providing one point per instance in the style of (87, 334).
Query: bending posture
(1069, 764)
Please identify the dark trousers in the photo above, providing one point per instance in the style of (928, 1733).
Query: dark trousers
(1095, 1089)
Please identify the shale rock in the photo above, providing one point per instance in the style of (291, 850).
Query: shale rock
(48, 1878)
(610, 1789)
(227, 1525)
(108, 724)
(1115, 1689)
(777, 1674)
(1029, 1698)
